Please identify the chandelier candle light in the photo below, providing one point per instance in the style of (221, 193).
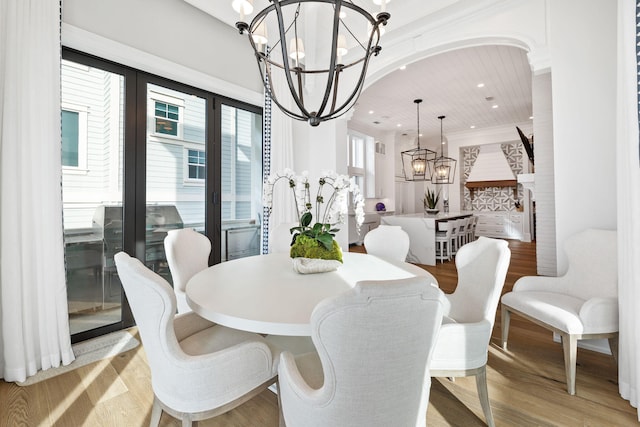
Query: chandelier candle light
(324, 44)
(313, 242)
(444, 168)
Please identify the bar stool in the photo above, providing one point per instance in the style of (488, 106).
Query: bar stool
(471, 228)
(463, 232)
(458, 225)
(443, 240)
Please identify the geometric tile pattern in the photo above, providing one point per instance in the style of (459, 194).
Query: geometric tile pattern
(491, 198)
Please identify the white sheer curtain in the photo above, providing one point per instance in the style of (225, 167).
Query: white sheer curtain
(34, 326)
(628, 161)
(281, 157)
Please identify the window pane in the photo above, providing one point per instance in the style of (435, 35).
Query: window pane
(357, 152)
(167, 118)
(243, 209)
(166, 127)
(196, 160)
(70, 138)
(161, 109)
(241, 178)
(242, 161)
(92, 200)
(174, 202)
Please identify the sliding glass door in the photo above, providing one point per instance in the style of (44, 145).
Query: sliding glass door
(143, 155)
(93, 108)
(241, 181)
(176, 166)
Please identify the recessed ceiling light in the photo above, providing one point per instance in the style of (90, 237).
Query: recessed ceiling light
(472, 126)
(399, 125)
(403, 67)
(494, 106)
(480, 84)
(530, 117)
(370, 111)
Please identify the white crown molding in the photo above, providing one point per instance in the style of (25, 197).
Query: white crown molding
(457, 27)
(488, 135)
(88, 42)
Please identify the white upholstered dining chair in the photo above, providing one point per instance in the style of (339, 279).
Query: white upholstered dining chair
(387, 241)
(581, 304)
(198, 369)
(462, 346)
(187, 253)
(371, 365)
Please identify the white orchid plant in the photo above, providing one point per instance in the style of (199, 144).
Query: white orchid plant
(329, 211)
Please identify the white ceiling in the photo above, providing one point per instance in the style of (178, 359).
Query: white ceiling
(448, 85)
(446, 82)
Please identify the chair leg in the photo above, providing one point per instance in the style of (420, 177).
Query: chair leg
(613, 345)
(570, 345)
(281, 422)
(483, 394)
(505, 319)
(156, 413)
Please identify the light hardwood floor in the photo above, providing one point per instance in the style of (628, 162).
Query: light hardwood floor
(526, 385)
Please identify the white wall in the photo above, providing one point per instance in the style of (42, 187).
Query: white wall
(583, 57)
(169, 29)
(322, 148)
(547, 252)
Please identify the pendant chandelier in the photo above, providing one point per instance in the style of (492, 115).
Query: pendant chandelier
(322, 45)
(416, 161)
(444, 168)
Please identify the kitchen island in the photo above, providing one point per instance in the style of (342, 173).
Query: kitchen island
(421, 229)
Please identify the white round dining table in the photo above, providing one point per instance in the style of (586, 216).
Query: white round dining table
(263, 294)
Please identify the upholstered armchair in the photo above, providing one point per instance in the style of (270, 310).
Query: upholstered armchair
(581, 304)
(387, 241)
(187, 253)
(463, 343)
(198, 369)
(371, 365)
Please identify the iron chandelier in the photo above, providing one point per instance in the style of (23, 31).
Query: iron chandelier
(444, 168)
(340, 38)
(415, 161)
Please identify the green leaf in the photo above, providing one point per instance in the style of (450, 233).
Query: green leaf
(305, 220)
(326, 240)
(317, 228)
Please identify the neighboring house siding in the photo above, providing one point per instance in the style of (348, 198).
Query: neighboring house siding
(98, 178)
(167, 163)
(88, 90)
